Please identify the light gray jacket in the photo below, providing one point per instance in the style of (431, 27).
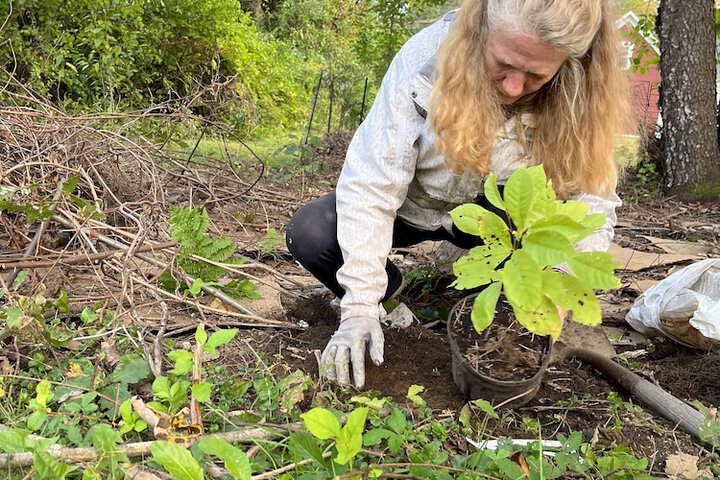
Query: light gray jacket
(392, 169)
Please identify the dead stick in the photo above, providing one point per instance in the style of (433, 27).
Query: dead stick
(87, 455)
(75, 259)
(36, 239)
(262, 322)
(154, 261)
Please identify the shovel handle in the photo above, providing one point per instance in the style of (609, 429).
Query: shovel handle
(667, 405)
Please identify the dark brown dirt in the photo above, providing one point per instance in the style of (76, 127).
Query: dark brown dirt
(413, 356)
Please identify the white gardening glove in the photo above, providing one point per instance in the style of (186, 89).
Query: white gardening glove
(347, 345)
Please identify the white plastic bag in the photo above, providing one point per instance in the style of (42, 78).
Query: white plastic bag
(684, 307)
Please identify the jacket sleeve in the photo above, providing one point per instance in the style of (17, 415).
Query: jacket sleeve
(600, 240)
(373, 184)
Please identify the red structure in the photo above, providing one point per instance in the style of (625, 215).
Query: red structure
(642, 59)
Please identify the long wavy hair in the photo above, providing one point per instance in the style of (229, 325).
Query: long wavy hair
(576, 115)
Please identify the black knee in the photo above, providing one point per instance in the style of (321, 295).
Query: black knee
(311, 234)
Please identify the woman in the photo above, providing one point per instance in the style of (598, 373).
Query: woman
(496, 85)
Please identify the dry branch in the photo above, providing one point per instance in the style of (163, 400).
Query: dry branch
(140, 449)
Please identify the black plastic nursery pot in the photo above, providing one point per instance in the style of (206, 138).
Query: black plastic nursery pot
(474, 384)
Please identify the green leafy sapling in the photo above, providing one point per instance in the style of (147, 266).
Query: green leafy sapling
(521, 252)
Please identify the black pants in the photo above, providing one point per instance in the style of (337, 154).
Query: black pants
(311, 237)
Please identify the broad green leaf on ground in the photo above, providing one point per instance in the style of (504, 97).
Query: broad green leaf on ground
(522, 281)
(349, 441)
(176, 460)
(541, 320)
(47, 468)
(492, 193)
(221, 337)
(548, 248)
(303, 445)
(595, 269)
(322, 423)
(13, 440)
(131, 369)
(236, 461)
(183, 361)
(413, 395)
(201, 391)
(483, 311)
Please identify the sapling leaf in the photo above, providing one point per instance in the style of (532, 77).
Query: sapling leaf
(467, 218)
(413, 395)
(483, 310)
(322, 423)
(573, 209)
(522, 281)
(591, 224)
(548, 248)
(562, 224)
(581, 301)
(47, 468)
(527, 196)
(595, 269)
(541, 320)
(475, 220)
(492, 193)
(477, 267)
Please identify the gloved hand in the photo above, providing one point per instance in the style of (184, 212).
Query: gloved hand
(347, 345)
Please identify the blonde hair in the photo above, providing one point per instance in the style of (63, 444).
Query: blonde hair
(576, 116)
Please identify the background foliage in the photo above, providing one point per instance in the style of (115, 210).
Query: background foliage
(257, 64)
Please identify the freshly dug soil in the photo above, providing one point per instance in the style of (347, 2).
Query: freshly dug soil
(504, 350)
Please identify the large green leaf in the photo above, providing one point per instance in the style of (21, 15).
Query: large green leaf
(47, 468)
(478, 266)
(522, 281)
(543, 319)
(13, 440)
(467, 217)
(236, 461)
(573, 209)
(349, 441)
(303, 446)
(483, 311)
(492, 193)
(581, 300)
(590, 224)
(595, 269)
(322, 423)
(519, 196)
(562, 224)
(177, 460)
(548, 248)
(529, 197)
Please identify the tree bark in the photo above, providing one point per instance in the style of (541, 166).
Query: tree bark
(691, 157)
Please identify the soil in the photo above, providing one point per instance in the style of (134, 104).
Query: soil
(504, 350)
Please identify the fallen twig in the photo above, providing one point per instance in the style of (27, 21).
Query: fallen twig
(76, 259)
(140, 449)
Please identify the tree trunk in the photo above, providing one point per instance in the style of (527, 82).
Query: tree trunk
(691, 158)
